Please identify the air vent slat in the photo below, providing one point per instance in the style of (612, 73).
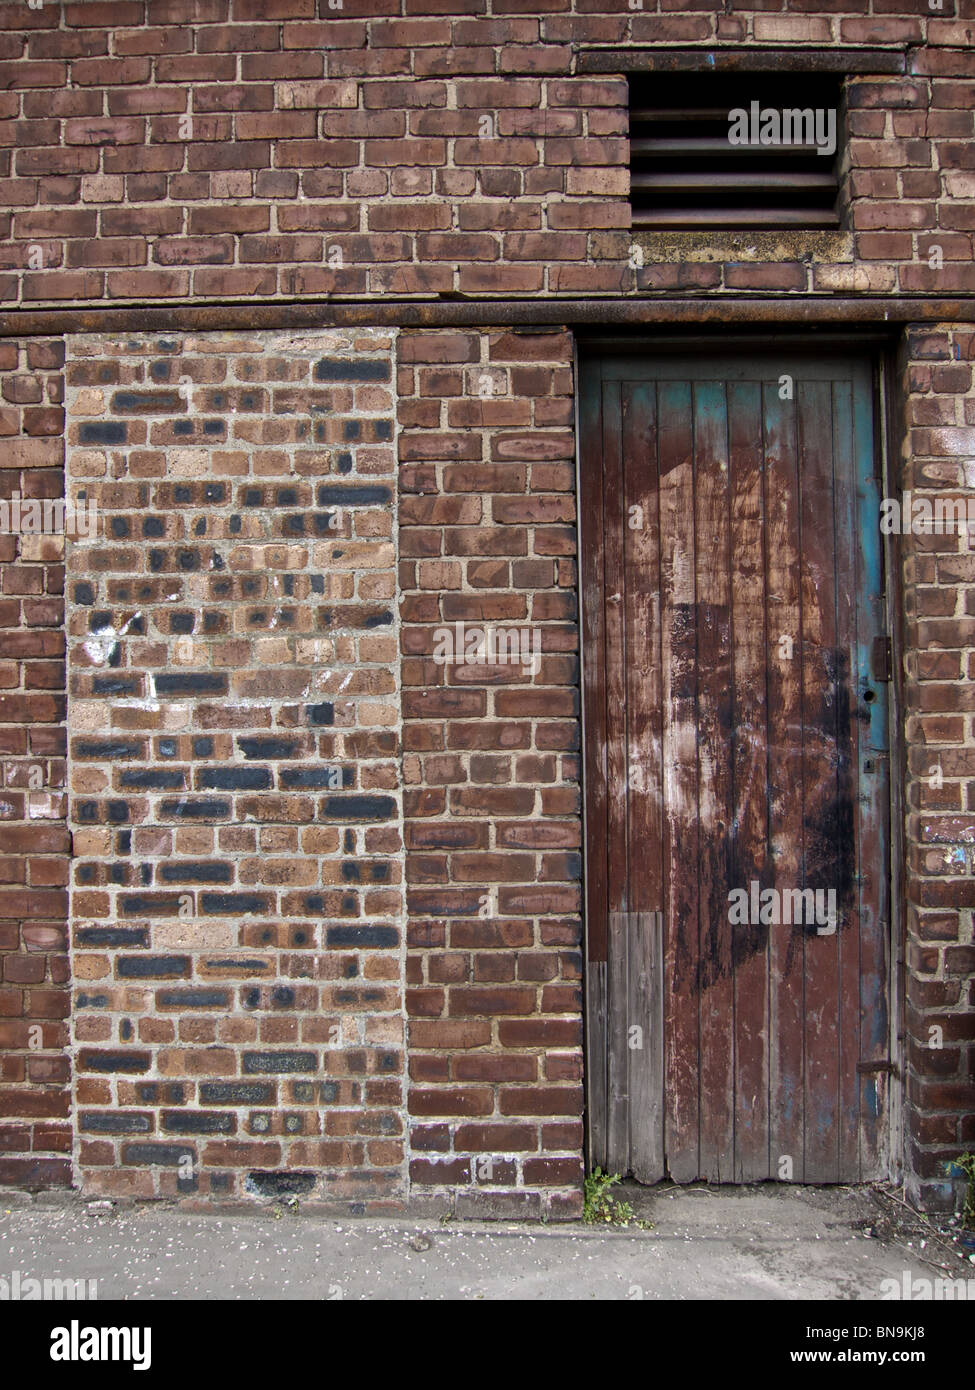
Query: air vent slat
(693, 149)
(721, 149)
(730, 219)
(695, 166)
(677, 114)
(752, 182)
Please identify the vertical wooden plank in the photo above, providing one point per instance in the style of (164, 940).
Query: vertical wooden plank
(597, 1061)
(594, 639)
(749, 737)
(714, 796)
(618, 1145)
(849, 926)
(873, 799)
(679, 676)
(645, 969)
(617, 1006)
(655, 1157)
(784, 944)
(645, 778)
(827, 823)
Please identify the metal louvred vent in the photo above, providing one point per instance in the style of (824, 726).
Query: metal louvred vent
(734, 153)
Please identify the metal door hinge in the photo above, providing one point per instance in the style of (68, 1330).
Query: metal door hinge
(881, 659)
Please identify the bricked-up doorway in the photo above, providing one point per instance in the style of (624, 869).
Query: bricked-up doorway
(736, 743)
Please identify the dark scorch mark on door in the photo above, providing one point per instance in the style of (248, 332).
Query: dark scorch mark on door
(828, 851)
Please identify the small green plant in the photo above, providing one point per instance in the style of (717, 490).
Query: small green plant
(965, 1163)
(599, 1205)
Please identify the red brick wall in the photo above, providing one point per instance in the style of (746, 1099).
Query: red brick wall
(939, 600)
(199, 149)
(491, 770)
(182, 152)
(35, 1135)
(234, 717)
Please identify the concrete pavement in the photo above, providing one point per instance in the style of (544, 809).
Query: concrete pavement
(764, 1243)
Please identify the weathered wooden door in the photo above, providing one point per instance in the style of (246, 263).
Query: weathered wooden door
(735, 743)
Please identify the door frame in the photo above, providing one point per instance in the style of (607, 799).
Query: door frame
(883, 352)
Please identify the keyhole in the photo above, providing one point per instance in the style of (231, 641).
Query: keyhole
(870, 696)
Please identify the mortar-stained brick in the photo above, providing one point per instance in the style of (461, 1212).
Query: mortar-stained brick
(229, 863)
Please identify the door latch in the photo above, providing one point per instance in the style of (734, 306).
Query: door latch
(865, 1068)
